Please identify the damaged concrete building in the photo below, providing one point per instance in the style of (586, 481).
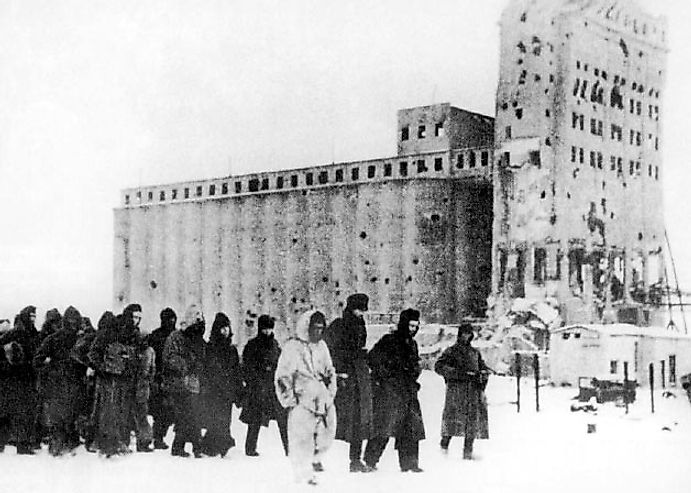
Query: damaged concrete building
(578, 192)
(409, 230)
(557, 198)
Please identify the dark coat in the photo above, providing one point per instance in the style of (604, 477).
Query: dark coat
(183, 361)
(395, 365)
(114, 356)
(18, 393)
(346, 338)
(259, 361)
(465, 406)
(62, 376)
(157, 340)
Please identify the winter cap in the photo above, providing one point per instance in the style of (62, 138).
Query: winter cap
(357, 301)
(107, 321)
(168, 314)
(408, 315)
(72, 319)
(131, 308)
(53, 315)
(221, 320)
(265, 322)
(466, 328)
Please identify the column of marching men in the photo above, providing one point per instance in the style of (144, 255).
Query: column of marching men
(71, 384)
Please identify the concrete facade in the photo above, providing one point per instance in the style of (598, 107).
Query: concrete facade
(578, 193)
(411, 230)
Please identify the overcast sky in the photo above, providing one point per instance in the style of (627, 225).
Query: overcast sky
(97, 95)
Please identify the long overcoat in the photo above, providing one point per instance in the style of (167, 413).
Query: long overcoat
(62, 376)
(395, 365)
(346, 338)
(114, 356)
(465, 406)
(259, 362)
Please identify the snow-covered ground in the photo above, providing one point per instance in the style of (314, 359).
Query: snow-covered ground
(549, 451)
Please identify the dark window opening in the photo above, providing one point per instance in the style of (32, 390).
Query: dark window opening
(471, 159)
(187, 193)
(238, 187)
(253, 185)
(323, 177)
(371, 171)
(421, 166)
(265, 183)
(127, 200)
(279, 182)
(484, 158)
(405, 133)
(174, 193)
(339, 175)
(224, 188)
(438, 164)
(438, 129)
(403, 168)
(387, 169)
(309, 179)
(535, 158)
(199, 191)
(460, 161)
(212, 189)
(150, 196)
(293, 181)
(519, 113)
(540, 265)
(421, 132)
(355, 174)
(507, 131)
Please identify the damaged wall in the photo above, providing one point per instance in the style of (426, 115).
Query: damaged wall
(578, 154)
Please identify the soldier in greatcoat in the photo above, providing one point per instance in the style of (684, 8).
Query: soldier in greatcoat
(259, 360)
(465, 406)
(63, 382)
(183, 367)
(346, 338)
(395, 364)
(114, 357)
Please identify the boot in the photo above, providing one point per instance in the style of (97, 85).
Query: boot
(160, 445)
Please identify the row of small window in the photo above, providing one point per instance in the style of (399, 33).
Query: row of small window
(422, 131)
(618, 80)
(536, 77)
(536, 46)
(470, 160)
(256, 185)
(616, 163)
(616, 99)
(616, 131)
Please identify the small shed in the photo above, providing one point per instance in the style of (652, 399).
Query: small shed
(604, 351)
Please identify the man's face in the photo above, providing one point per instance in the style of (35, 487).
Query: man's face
(136, 318)
(466, 336)
(225, 331)
(316, 330)
(32, 317)
(267, 331)
(358, 313)
(413, 327)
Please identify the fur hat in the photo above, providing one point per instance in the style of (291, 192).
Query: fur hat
(265, 322)
(357, 301)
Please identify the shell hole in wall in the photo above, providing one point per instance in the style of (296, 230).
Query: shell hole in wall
(325, 279)
(435, 218)
(153, 284)
(337, 284)
(366, 262)
(387, 281)
(416, 261)
(409, 279)
(374, 279)
(363, 235)
(302, 300)
(640, 236)
(273, 290)
(293, 299)
(295, 240)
